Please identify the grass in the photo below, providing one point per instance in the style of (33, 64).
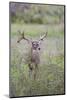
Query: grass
(37, 29)
(50, 76)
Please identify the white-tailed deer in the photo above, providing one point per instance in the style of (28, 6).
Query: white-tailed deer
(35, 57)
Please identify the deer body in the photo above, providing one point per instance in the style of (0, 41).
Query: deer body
(35, 54)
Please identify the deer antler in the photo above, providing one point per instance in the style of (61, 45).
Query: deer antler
(42, 37)
(22, 37)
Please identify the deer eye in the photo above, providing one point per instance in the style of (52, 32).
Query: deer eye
(37, 44)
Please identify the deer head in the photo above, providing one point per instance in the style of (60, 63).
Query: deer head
(35, 44)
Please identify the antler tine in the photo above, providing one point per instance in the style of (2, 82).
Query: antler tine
(42, 37)
(22, 37)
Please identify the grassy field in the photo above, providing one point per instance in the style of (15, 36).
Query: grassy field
(50, 76)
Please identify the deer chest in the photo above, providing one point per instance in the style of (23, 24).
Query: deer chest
(35, 57)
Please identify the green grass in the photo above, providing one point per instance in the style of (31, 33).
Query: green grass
(34, 30)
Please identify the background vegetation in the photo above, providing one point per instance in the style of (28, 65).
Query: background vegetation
(39, 14)
(35, 20)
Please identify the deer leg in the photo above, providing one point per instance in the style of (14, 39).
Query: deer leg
(35, 71)
(30, 70)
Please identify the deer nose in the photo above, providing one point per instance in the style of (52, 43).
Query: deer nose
(39, 48)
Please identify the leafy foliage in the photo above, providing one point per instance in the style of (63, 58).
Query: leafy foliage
(39, 14)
